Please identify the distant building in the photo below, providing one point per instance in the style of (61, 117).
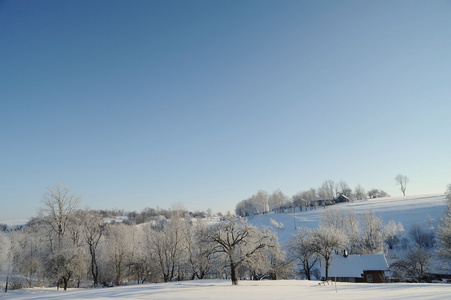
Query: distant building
(357, 268)
(341, 198)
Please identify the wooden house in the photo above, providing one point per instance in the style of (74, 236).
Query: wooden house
(357, 268)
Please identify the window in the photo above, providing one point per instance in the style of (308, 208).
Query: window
(369, 278)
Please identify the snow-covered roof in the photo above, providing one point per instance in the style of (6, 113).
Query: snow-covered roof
(354, 265)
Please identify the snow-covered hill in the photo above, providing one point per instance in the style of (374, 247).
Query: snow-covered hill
(407, 210)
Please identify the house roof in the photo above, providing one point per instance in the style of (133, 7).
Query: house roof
(355, 265)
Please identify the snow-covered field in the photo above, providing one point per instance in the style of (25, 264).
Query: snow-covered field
(407, 210)
(261, 290)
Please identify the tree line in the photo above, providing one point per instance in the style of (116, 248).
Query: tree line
(69, 247)
(327, 194)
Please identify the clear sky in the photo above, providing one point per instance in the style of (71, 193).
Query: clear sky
(138, 104)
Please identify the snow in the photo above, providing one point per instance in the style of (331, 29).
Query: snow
(407, 210)
(261, 290)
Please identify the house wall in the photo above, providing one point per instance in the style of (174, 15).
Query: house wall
(377, 276)
(344, 279)
(368, 277)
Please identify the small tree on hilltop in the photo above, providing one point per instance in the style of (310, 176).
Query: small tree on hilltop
(402, 181)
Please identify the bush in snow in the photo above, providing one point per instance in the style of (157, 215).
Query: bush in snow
(277, 225)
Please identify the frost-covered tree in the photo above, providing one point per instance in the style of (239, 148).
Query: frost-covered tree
(93, 229)
(344, 189)
(76, 242)
(423, 238)
(31, 250)
(414, 264)
(201, 256)
(345, 221)
(279, 265)
(402, 181)
(375, 193)
(118, 248)
(304, 198)
(238, 241)
(169, 247)
(269, 262)
(393, 233)
(58, 205)
(298, 201)
(137, 267)
(300, 248)
(327, 190)
(325, 241)
(444, 232)
(334, 217)
(359, 192)
(260, 202)
(6, 257)
(277, 199)
(372, 235)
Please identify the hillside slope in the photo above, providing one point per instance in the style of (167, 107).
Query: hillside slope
(408, 210)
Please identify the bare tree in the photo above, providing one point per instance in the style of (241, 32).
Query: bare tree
(415, 263)
(93, 232)
(238, 241)
(59, 203)
(300, 248)
(402, 181)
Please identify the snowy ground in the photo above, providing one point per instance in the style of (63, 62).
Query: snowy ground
(259, 290)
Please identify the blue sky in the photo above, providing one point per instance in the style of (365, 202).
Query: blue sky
(140, 104)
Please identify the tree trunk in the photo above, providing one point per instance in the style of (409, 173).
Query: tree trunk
(118, 275)
(233, 274)
(307, 270)
(94, 270)
(6, 285)
(327, 268)
(65, 283)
